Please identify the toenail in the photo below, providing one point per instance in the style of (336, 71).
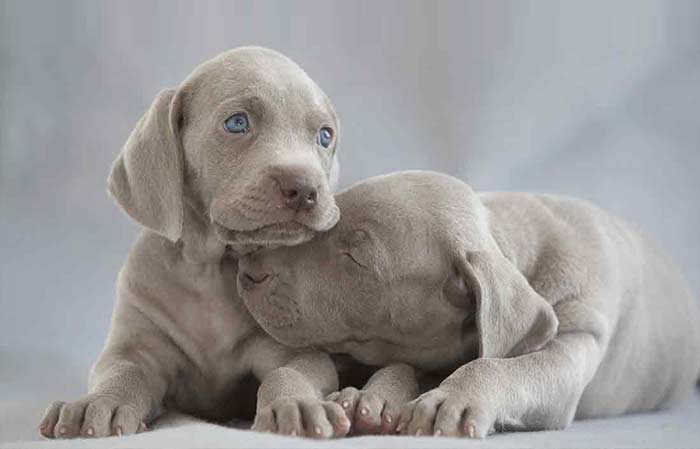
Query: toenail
(471, 431)
(317, 430)
(293, 433)
(438, 433)
(419, 432)
(62, 430)
(90, 431)
(345, 404)
(388, 418)
(118, 431)
(363, 411)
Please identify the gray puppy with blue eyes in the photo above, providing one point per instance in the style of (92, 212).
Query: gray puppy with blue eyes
(240, 155)
(539, 309)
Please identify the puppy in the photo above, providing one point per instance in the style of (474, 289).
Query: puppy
(540, 308)
(242, 154)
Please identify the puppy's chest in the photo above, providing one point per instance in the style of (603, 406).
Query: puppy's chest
(211, 318)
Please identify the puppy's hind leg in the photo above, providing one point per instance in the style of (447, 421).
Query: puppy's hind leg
(534, 391)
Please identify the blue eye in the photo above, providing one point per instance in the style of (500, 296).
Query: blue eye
(325, 137)
(237, 123)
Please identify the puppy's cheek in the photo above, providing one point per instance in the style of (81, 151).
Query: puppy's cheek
(334, 174)
(332, 217)
(324, 217)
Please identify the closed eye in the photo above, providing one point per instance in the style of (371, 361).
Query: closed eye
(350, 256)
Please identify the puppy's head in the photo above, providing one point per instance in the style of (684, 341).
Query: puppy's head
(410, 263)
(246, 146)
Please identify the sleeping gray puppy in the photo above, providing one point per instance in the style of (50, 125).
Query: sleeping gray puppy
(242, 154)
(540, 308)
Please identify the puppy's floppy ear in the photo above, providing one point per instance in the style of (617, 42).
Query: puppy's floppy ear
(147, 177)
(512, 319)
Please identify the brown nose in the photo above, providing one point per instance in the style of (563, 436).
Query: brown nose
(297, 193)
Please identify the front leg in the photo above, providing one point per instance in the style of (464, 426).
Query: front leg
(376, 407)
(119, 404)
(540, 390)
(127, 384)
(291, 397)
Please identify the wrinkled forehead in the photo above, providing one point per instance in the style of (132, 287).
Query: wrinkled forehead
(257, 77)
(394, 217)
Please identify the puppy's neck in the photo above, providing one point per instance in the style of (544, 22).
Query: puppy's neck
(199, 242)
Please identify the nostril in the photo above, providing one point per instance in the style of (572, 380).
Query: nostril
(312, 197)
(290, 194)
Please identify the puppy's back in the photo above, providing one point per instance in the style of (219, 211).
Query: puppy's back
(570, 248)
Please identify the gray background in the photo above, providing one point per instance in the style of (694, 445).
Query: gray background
(594, 99)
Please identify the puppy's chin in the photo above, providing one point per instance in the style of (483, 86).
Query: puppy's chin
(277, 234)
(286, 233)
(276, 313)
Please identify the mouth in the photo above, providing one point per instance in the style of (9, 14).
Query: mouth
(277, 234)
(248, 281)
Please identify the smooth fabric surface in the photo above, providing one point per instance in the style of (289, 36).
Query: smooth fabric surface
(29, 381)
(669, 429)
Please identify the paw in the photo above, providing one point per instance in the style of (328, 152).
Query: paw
(368, 411)
(446, 413)
(91, 417)
(301, 416)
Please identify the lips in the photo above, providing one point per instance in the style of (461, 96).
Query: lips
(285, 234)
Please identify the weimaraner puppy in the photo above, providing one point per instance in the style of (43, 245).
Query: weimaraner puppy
(539, 308)
(242, 154)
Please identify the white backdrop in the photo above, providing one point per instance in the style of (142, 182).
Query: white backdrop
(595, 99)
